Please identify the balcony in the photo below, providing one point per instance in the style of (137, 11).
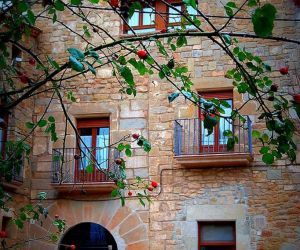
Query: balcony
(194, 148)
(78, 170)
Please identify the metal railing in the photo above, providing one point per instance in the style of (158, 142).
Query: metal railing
(74, 165)
(190, 137)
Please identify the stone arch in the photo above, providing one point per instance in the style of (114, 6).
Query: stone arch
(128, 226)
(87, 235)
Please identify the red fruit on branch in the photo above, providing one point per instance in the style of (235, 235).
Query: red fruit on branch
(129, 193)
(163, 30)
(118, 161)
(31, 61)
(114, 3)
(284, 70)
(271, 98)
(72, 247)
(297, 98)
(154, 184)
(135, 136)
(3, 234)
(274, 87)
(24, 79)
(150, 189)
(56, 216)
(142, 54)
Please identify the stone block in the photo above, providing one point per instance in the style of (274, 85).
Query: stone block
(274, 174)
(138, 123)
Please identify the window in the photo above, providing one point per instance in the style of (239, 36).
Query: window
(147, 21)
(216, 141)
(92, 148)
(217, 235)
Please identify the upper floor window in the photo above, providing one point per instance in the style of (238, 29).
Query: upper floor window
(216, 141)
(216, 235)
(93, 148)
(157, 16)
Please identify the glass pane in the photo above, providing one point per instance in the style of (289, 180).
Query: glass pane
(217, 232)
(225, 124)
(207, 139)
(174, 16)
(102, 142)
(85, 146)
(134, 20)
(191, 12)
(148, 17)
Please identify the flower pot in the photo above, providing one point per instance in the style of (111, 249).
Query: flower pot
(296, 98)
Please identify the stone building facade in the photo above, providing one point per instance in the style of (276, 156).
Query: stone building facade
(262, 201)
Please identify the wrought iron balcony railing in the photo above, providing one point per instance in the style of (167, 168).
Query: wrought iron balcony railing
(74, 165)
(190, 137)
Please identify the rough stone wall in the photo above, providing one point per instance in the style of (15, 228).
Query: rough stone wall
(265, 200)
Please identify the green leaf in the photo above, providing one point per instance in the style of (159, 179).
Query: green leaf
(121, 147)
(209, 123)
(263, 20)
(192, 3)
(78, 54)
(255, 134)
(51, 119)
(19, 223)
(173, 96)
(268, 158)
(93, 54)
(29, 125)
(94, 1)
(242, 56)
(115, 193)
(76, 2)
(89, 168)
(53, 63)
(227, 39)
(42, 123)
(264, 149)
(136, 5)
(22, 6)
(86, 31)
(42, 195)
(229, 11)
(146, 146)
(181, 40)
(75, 64)
(230, 143)
(58, 4)
(91, 68)
(252, 3)
(127, 75)
(128, 152)
(31, 17)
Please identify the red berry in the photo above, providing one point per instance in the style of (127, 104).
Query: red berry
(3, 234)
(135, 136)
(129, 193)
(23, 78)
(31, 61)
(118, 161)
(271, 98)
(274, 87)
(73, 247)
(114, 3)
(163, 30)
(142, 54)
(284, 70)
(154, 184)
(76, 157)
(56, 216)
(150, 189)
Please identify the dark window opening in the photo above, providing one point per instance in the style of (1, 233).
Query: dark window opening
(216, 235)
(88, 236)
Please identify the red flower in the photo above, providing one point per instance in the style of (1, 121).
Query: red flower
(73, 247)
(129, 193)
(154, 184)
(118, 161)
(284, 70)
(135, 136)
(31, 61)
(114, 3)
(150, 189)
(142, 54)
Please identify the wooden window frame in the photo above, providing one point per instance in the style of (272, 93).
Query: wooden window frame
(94, 124)
(221, 95)
(231, 244)
(161, 21)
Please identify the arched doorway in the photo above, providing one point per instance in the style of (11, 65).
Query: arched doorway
(88, 236)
